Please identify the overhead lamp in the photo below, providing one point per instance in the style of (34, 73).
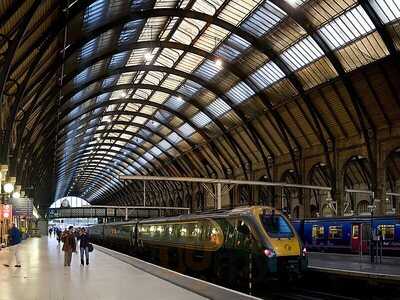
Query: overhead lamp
(8, 187)
(218, 63)
(16, 195)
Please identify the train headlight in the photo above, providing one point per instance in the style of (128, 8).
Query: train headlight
(269, 253)
(304, 251)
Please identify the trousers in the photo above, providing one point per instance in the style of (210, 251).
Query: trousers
(67, 258)
(85, 251)
(14, 251)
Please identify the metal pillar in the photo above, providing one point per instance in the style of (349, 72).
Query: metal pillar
(219, 200)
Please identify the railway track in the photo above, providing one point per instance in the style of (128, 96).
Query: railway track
(304, 294)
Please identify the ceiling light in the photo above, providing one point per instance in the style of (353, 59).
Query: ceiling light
(16, 195)
(8, 187)
(218, 63)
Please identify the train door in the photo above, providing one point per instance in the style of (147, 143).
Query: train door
(356, 237)
(360, 234)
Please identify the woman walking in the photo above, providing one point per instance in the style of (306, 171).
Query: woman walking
(84, 245)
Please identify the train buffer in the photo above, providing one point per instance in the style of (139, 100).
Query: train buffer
(355, 266)
(110, 275)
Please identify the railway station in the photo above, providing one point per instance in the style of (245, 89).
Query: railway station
(199, 149)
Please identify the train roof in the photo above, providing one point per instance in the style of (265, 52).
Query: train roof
(215, 214)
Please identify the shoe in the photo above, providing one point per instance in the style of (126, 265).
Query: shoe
(17, 266)
(87, 262)
(82, 262)
(6, 265)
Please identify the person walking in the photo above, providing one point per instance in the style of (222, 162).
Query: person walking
(58, 233)
(84, 245)
(69, 246)
(15, 240)
(50, 231)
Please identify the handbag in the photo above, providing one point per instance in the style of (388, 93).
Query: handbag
(90, 247)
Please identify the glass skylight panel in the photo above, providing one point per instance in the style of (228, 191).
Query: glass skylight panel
(211, 38)
(302, 53)
(218, 107)
(142, 161)
(148, 156)
(346, 28)
(137, 165)
(189, 88)
(186, 129)
(153, 125)
(109, 81)
(172, 81)
(240, 92)
(227, 52)
(165, 145)
(95, 13)
(163, 116)
(168, 28)
(168, 57)
(175, 103)
(153, 78)
(387, 10)
(126, 78)
(137, 57)
(263, 19)
(296, 3)
(189, 62)
(159, 97)
(187, 31)
(206, 6)
(237, 10)
(152, 28)
(103, 97)
(155, 151)
(130, 31)
(118, 60)
(201, 119)
(267, 75)
(82, 76)
(89, 48)
(208, 69)
(174, 138)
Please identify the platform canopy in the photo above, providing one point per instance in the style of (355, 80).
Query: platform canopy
(95, 90)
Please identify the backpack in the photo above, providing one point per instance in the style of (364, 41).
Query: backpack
(90, 247)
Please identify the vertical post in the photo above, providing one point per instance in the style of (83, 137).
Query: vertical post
(144, 193)
(219, 200)
(126, 214)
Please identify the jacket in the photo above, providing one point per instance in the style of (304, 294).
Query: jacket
(15, 236)
(84, 240)
(69, 242)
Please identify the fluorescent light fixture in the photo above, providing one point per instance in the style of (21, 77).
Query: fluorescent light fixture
(219, 63)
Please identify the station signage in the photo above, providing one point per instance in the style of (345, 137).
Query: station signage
(6, 211)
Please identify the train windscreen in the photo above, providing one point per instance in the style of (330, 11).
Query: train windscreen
(276, 226)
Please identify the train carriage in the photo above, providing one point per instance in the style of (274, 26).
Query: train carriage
(220, 243)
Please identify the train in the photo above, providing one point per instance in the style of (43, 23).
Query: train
(224, 245)
(350, 234)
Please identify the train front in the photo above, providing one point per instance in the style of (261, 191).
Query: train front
(283, 249)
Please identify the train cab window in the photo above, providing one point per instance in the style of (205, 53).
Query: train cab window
(276, 225)
(317, 232)
(387, 231)
(243, 236)
(335, 232)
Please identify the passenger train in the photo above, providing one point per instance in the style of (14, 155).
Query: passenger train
(219, 244)
(349, 234)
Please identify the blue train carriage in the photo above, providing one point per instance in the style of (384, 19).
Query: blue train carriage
(349, 234)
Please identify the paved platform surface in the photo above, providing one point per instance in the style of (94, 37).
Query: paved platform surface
(43, 276)
(355, 265)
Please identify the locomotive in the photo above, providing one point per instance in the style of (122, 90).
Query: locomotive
(224, 244)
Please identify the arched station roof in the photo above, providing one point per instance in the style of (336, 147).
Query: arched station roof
(91, 90)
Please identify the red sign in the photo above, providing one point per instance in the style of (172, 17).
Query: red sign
(6, 211)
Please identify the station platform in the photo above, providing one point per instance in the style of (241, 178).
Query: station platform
(355, 266)
(43, 276)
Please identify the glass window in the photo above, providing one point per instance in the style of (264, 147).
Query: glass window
(347, 27)
(355, 231)
(387, 231)
(387, 10)
(302, 53)
(267, 75)
(335, 232)
(317, 232)
(218, 107)
(240, 92)
(276, 225)
(175, 103)
(186, 129)
(201, 119)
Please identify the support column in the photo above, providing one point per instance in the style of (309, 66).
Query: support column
(380, 193)
(219, 200)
